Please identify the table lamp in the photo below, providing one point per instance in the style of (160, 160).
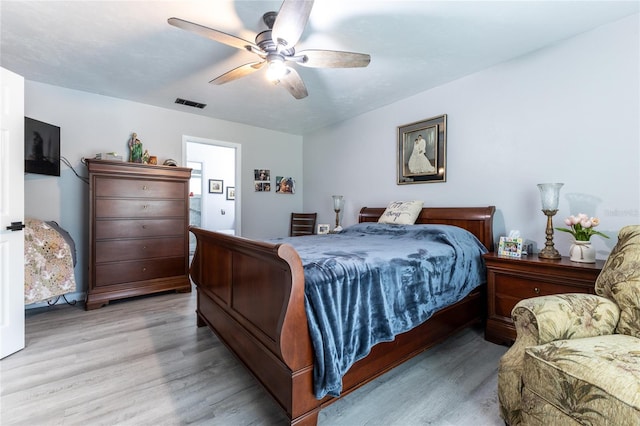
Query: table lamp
(337, 206)
(550, 196)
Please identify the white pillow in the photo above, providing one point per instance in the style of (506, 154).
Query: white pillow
(401, 212)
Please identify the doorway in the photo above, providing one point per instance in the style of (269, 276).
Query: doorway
(215, 182)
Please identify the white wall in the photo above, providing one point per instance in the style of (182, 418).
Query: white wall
(92, 123)
(568, 113)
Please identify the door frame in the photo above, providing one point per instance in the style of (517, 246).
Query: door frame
(238, 169)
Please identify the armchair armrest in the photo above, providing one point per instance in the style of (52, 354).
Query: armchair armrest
(540, 320)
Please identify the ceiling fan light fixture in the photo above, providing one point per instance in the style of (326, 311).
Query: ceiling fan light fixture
(276, 48)
(276, 69)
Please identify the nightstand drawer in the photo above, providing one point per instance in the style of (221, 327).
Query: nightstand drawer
(510, 290)
(523, 288)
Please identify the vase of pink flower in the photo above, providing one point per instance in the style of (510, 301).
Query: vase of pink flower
(582, 227)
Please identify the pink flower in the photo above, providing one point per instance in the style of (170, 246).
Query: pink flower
(581, 227)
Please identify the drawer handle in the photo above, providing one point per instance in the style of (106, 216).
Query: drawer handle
(144, 269)
(144, 247)
(144, 226)
(536, 290)
(145, 187)
(145, 206)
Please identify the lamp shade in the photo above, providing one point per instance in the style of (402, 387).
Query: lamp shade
(550, 195)
(337, 202)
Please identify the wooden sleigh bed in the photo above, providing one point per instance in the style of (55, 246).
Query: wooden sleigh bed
(251, 295)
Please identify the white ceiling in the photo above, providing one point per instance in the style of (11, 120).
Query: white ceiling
(126, 49)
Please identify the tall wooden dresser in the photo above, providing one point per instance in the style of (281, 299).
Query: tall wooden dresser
(138, 230)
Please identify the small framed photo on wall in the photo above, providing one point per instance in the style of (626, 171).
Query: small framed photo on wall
(231, 192)
(215, 186)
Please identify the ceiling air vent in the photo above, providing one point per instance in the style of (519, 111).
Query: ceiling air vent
(190, 103)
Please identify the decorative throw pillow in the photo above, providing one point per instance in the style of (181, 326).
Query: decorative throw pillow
(401, 212)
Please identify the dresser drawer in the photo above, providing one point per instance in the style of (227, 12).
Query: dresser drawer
(141, 208)
(134, 228)
(138, 188)
(147, 248)
(127, 272)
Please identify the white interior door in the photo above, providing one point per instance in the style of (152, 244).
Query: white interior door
(11, 212)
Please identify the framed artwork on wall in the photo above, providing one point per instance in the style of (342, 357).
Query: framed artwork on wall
(215, 186)
(262, 180)
(421, 150)
(231, 192)
(285, 185)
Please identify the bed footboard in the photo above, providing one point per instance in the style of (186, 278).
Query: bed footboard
(251, 295)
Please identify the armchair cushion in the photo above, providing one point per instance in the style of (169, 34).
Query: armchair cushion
(620, 280)
(594, 380)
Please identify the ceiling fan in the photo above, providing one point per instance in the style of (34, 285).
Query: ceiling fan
(275, 47)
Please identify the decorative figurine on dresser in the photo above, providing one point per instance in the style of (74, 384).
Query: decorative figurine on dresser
(138, 230)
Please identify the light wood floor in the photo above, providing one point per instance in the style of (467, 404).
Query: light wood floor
(143, 361)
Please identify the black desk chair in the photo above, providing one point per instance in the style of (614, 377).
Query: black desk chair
(302, 224)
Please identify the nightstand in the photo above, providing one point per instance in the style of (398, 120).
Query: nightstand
(510, 280)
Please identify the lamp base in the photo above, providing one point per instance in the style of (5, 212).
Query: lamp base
(549, 253)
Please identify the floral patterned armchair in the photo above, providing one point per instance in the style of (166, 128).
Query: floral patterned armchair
(576, 358)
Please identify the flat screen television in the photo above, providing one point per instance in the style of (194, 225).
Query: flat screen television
(41, 147)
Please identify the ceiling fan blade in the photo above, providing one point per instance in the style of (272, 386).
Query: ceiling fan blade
(294, 84)
(333, 59)
(215, 35)
(290, 22)
(237, 73)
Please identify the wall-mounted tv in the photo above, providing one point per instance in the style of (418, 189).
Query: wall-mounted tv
(41, 147)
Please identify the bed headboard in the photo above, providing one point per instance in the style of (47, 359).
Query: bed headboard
(477, 220)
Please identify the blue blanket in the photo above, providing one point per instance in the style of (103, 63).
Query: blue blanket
(372, 282)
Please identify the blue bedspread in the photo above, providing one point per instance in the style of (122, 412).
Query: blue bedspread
(373, 281)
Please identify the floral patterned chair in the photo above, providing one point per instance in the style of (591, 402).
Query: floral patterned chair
(576, 358)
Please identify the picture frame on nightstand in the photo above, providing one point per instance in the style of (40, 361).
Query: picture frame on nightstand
(323, 229)
(510, 247)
